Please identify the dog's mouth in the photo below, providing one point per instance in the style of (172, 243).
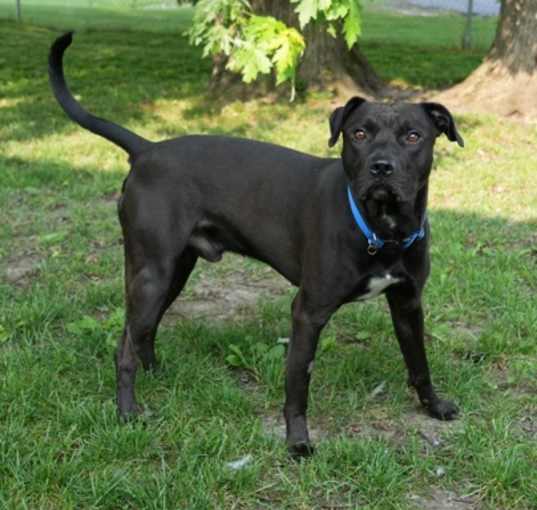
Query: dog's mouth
(386, 207)
(381, 193)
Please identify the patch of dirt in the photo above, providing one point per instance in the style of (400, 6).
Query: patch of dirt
(58, 213)
(274, 426)
(377, 429)
(491, 91)
(528, 425)
(222, 297)
(440, 499)
(467, 329)
(247, 382)
(20, 270)
(431, 430)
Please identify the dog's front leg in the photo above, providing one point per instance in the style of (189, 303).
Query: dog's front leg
(307, 326)
(407, 317)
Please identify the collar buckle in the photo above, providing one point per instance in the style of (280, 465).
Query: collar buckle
(375, 243)
(372, 249)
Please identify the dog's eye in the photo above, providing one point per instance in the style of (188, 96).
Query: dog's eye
(360, 135)
(413, 137)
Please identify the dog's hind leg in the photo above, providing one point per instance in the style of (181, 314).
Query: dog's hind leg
(151, 287)
(182, 270)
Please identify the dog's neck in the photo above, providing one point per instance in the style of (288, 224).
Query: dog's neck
(396, 220)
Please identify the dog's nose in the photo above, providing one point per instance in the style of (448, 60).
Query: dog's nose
(382, 167)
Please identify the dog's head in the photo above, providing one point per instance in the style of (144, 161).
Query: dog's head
(388, 150)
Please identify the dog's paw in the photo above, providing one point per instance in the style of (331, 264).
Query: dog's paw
(443, 409)
(130, 414)
(301, 450)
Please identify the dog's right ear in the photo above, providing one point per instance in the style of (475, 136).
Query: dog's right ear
(338, 117)
(443, 121)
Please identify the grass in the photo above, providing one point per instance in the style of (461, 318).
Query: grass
(99, 15)
(61, 444)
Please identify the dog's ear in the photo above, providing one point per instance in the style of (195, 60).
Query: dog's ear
(443, 121)
(338, 117)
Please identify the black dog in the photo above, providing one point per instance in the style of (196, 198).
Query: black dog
(341, 230)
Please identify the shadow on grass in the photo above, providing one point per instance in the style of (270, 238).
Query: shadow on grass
(114, 75)
(49, 178)
(420, 66)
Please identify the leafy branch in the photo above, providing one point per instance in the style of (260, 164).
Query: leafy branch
(257, 45)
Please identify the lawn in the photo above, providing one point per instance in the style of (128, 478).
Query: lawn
(219, 393)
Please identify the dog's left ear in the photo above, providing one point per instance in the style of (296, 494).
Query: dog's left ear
(338, 117)
(443, 121)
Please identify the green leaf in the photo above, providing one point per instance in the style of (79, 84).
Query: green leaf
(232, 360)
(306, 10)
(337, 9)
(287, 56)
(237, 356)
(331, 29)
(250, 62)
(352, 27)
(276, 353)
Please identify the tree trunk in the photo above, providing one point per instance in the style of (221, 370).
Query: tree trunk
(19, 15)
(506, 82)
(326, 62)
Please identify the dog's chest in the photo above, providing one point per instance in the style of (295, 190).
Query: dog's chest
(374, 285)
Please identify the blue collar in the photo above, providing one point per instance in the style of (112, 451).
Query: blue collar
(374, 242)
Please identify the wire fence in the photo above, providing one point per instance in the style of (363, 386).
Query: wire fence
(480, 7)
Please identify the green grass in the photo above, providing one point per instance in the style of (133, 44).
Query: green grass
(423, 52)
(406, 50)
(99, 15)
(61, 445)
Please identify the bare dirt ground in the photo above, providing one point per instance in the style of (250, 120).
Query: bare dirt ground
(218, 296)
(19, 270)
(441, 499)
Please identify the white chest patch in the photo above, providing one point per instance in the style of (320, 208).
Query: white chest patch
(377, 284)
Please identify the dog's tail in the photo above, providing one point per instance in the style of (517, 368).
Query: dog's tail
(126, 139)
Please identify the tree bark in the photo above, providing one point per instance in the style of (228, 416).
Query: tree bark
(506, 82)
(326, 60)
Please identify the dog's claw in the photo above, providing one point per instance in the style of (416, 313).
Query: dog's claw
(130, 415)
(301, 450)
(443, 410)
